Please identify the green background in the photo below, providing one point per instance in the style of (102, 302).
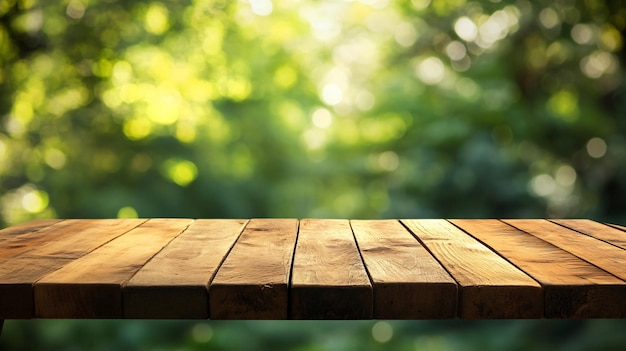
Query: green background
(355, 109)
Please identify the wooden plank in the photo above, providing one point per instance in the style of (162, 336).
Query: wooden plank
(573, 287)
(599, 253)
(90, 287)
(596, 230)
(68, 236)
(408, 282)
(490, 287)
(252, 282)
(16, 284)
(26, 228)
(24, 242)
(33, 258)
(174, 284)
(329, 280)
(85, 236)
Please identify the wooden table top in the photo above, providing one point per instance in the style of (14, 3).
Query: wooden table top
(312, 269)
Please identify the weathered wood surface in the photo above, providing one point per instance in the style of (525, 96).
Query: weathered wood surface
(597, 252)
(174, 283)
(329, 280)
(90, 286)
(597, 230)
(312, 269)
(33, 256)
(27, 228)
(253, 281)
(489, 286)
(408, 282)
(573, 287)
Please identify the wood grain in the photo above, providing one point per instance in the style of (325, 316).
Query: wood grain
(596, 230)
(86, 235)
(252, 282)
(90, 286)
(33, 257)
(19, 244)
(408, 281)
(490, 287)
(174, 284)
(329, 269)
(597, 252)
(620, 227)
(573, 287)
(329, 280)
(26, 228)
(16, 284)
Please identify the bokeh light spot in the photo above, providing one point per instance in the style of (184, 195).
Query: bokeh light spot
(202, 333)
(156, 21)
(466, 29)
(405, 34)
(164, 106)
(35, 201)
(285, 77)
(598, 63)
(564, 104)
(582, 33)
(543, 185)
(137, 128)
(122, 71)
(611, 38)
(549, 18)
(430, 70)
(331, 94)
(382, 332)
(127, 212)
(565, 176)
(388, 161)
(75, 9)
(55, 158)
(322, 118)
(456, 50)
(181, 172)
(262, 7)
(596, 147)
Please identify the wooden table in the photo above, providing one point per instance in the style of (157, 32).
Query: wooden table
(312, 269)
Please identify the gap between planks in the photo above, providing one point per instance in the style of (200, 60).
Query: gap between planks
(408, 282)
(33, 257)
(168, 287)
(329, 280)
(90, 286)
(606, 256)
(541, 230)
(573, 288)
(253, 280)
(489, 286)
(603, 232)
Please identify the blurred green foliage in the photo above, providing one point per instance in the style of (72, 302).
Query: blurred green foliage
(360, 109)
(454, 335)
(356, 109)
